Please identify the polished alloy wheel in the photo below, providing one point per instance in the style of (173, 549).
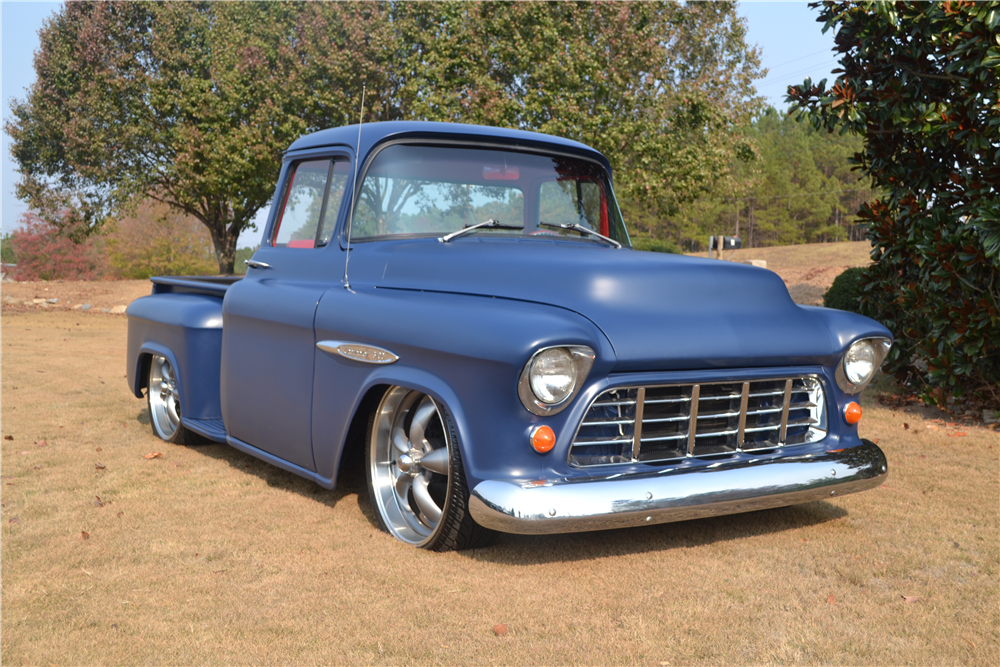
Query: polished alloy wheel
(164, 398)
(410, 465)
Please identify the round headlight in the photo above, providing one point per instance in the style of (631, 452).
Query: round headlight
(859, 362)
(553, 375)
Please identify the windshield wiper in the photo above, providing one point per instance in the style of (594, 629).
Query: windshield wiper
(583, 230)
(489, 224)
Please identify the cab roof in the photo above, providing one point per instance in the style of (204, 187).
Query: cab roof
(373, 134)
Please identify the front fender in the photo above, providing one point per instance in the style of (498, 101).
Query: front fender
(467, 352)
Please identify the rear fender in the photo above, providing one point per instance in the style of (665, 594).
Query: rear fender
(187, 330)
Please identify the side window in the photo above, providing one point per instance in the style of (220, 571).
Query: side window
(312, 200)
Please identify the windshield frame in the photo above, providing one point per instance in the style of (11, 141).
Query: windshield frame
(542, 151)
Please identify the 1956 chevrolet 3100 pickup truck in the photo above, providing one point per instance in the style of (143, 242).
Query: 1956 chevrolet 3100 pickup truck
(497, 351)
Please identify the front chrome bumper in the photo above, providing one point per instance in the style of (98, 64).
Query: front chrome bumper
(675, 493)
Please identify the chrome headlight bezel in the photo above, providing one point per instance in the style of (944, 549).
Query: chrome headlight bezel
(881, 347)
(583, 359)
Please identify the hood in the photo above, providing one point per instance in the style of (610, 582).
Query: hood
(659, 311)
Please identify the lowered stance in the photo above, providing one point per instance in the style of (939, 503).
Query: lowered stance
(498, 353)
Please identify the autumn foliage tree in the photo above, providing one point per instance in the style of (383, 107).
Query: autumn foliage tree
(159, 241)
(43, 253)
(192, 103)
(920, 84)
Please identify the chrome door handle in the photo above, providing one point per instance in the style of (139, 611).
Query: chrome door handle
(253, 264)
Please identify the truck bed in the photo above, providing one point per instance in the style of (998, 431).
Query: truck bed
(209, 285)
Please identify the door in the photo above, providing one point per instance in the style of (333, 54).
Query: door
(268, 344)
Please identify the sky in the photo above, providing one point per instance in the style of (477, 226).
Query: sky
(792, 43)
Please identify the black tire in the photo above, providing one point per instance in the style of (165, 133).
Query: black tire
(163, 399)
(403, 506)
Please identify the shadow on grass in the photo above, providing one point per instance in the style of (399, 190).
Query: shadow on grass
(350, 480)
(540, 549)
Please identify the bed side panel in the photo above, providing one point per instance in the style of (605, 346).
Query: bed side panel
(187, 328)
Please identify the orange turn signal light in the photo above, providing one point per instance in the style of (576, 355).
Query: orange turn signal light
(852, 413)
(543, 439)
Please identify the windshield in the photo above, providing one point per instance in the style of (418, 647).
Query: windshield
(434, 190)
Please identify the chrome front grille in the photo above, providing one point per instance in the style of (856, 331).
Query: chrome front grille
(667, 422)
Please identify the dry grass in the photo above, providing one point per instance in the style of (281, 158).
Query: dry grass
(207, 556)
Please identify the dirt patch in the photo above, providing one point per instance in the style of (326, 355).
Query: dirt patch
(208, 556)
(72, 294)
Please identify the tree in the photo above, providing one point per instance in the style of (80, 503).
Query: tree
(158, 241)
(45, 254)
(192, 103)
(7, 254)
(801, 189)
(663, 89)
(919, 84)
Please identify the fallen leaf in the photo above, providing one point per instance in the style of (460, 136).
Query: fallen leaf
(98, 449)
(98, 502)
(218, 571)
(906, 426)
(912, 598)
(84, 535)
(14, 520)
(956, 434)
(41, 443)
(932, 427)
(154, 455)
(120, 514)
(100, 466)
(500, 629)
(38, 467)
(832, 599)
(923, 456)
(875, 440)
(951, 423)
(8, 437)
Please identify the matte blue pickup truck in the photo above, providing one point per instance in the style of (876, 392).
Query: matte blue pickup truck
(496, 351)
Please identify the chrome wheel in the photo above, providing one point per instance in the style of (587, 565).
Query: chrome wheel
(164, 399)
(410, 465)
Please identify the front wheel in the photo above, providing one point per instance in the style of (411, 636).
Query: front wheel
(415, 476)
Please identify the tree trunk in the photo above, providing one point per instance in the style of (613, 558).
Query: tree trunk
(224, 238)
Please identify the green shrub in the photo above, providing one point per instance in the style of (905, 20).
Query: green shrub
(655, 245)
(845, 292)
(919, 81)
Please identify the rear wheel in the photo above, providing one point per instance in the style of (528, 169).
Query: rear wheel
(164, 400)
(416, 480)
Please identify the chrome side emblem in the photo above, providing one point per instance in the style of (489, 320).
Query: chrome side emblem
(368, 354)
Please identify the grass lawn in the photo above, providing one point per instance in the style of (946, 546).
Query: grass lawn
(208, 556)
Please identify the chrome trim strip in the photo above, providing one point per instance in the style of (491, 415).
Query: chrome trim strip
(784, 411)
(744, 399)
(661, 438)
(693, 424)
(641, 499)
(640, 405)
(366, 354)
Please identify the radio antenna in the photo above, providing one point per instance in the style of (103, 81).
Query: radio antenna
(354, 187)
